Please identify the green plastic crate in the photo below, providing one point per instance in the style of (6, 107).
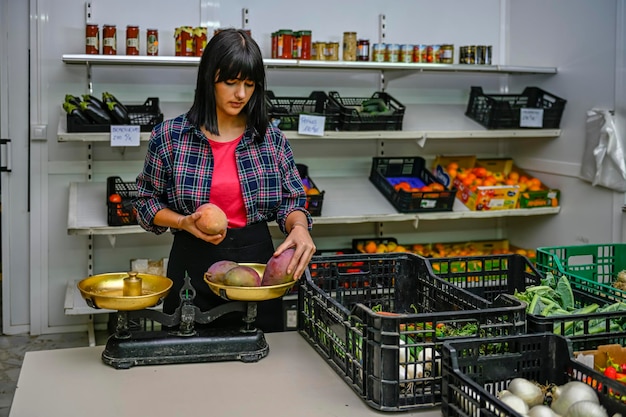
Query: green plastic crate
(594, 266)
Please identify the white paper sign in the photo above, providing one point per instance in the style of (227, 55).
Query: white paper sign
(531, 118)
(125, 135)
(311, 125)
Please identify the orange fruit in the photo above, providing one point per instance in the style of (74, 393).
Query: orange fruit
(370, 247)
(402, 186)
(312, 191)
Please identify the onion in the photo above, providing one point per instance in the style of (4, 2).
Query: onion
(570, 393)
(528, 391)
(586, 409)
(541, 411)
(514, 402)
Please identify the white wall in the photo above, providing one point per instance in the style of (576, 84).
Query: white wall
(577, 36)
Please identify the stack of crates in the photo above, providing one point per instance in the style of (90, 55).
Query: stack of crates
(379, 320)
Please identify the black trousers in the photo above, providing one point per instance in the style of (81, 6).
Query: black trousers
(193, 256)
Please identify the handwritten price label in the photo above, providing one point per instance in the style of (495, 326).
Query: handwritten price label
(531, 117)
(125, 135)
(311, 125)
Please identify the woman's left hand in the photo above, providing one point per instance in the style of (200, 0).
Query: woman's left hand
(300, 239)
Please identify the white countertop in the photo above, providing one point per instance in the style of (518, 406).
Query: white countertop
(293, 380)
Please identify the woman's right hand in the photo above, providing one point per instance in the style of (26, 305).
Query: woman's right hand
(188, 224)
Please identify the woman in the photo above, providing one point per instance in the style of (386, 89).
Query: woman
(224, 151)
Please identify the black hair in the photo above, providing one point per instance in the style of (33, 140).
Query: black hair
(230, 54)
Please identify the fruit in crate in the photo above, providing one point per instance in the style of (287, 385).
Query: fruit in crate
(276, 269)
(213, 220)
(481, 176)
(415, 185)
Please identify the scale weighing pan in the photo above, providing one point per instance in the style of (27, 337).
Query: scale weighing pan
(124, 291)
(263, 293)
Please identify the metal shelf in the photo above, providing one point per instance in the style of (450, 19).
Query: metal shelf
(347, 200)
(83, 59)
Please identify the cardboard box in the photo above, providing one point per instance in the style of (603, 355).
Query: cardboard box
(598, 358)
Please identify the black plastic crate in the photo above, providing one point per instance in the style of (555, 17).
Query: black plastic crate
(120, 195)
(503, 111)
(491, 275)
(284, 112)
(386, 172)
(314, 202)
(475, 370)
(370, 316)
(146, 115)
(352, 118)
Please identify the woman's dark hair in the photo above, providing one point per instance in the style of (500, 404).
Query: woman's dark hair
(230, 54)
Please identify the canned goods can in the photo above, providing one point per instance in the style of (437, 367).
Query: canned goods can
(393, 52)
(378, 52)
(447, 54)
(152, 42)
(434, 55)
(471, 54)
(349, 46)
(132, 40)
(92, 39)
(406, 53)
(363, 50)
(488, 55)
(109, 40)
(199, 40)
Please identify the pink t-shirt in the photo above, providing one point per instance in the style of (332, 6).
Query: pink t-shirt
(225, 186)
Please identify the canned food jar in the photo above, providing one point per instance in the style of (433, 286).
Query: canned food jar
(318, 51)
(304, 45)
(274, 44)
(132, 40)
(284, 48)
(184, 41)
(378, 52)
(447, 54)
(393, 52)
(92, 39)
(199, 40)
(109, 40)
(332, 51)
(363, 50)
(479, 59)
(406, 53)
(349, 46)
(488, 55)
(152, 42)
(470, 58)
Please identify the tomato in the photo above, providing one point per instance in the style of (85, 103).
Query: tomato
(115, 198)
(610, 372)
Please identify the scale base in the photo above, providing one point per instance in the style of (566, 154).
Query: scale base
(207, 345)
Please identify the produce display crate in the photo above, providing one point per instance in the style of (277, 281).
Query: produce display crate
(120, 195)
(374, 318)
(352, 118)
(285, 111)
(594, 266)
(146, 115)
(475, 370)
(492, 275)
(504, 111)
(314, 202)
(387, 172)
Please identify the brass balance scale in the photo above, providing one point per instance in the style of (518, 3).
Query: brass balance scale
(133, 295)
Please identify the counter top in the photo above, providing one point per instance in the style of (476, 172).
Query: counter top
(293, 380)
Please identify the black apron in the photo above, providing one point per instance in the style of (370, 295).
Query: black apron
(194, 256)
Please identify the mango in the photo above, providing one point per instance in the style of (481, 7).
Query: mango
(218, 270)
(213, 220)
(242, 276)
(276, 269)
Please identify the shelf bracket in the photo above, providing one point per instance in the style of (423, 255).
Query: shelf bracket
(112, 240)
(382, 37)
(380, 230)
(245, 18)
(89, 255)
(416, 222)
(89, 80)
